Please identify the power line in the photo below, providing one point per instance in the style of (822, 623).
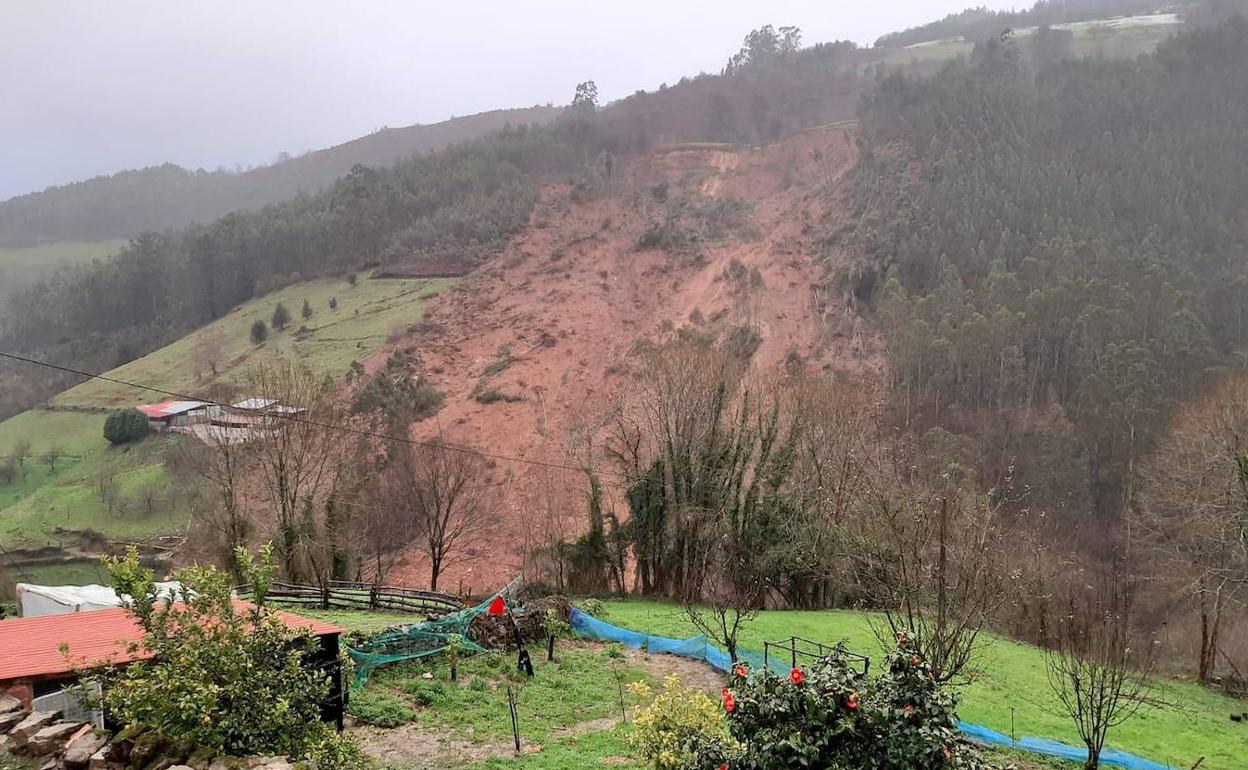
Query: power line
(295, 418)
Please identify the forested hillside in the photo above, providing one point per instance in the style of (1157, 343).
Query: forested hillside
(167, 196)
(1057, 258)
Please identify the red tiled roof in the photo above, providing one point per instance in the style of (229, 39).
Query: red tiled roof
(31, 646)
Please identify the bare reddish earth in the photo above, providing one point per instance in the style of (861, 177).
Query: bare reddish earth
(572, 296)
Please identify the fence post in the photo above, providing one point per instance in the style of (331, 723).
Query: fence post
(515, 720)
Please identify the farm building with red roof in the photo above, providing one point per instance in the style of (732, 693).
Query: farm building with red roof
(33, 664)
(178, 414)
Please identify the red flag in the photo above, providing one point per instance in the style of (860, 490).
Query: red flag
(497, 607)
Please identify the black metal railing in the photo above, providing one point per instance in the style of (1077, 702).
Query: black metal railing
(796, 651)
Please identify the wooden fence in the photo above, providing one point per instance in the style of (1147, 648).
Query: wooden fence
(359, 596)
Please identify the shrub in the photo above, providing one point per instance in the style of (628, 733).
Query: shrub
(126, 425)
(679, 728)
(237, 681)
(330, 750)
(281, 317)
(594, 607)
(402, 399)
(259, 332)
(495, 395)
(380, 708)
(832, 716)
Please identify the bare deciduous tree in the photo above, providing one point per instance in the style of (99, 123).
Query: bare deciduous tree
(222, 462)
(725, 604)
(51, 456)
(933, 561)
(1099, 674)
(296, 457)
(208, 353)
(1191, 514)
(445, 492)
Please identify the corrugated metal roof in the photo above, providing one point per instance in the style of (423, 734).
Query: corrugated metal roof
(170, 408)
(31, 646)
(255, 404)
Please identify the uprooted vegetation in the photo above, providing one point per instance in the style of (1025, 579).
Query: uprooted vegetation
(685, 220)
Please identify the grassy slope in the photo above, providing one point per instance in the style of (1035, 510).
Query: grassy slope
(365, 315)
(63, 252)
(32, 510)
(1193, 723)
(1090, 39)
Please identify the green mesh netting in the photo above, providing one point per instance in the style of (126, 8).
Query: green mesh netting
(419, 640)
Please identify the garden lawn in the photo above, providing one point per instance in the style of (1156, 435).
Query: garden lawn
(570, 708)
(123, 492)
(1193, 723)
(362, 622)
(328, 342)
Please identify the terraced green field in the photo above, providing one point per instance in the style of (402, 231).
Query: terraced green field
(329, 341)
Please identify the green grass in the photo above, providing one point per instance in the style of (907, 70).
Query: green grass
(1089, 39)
(355, 621)
(45, 507)
(64, 252)
(1193, 723)
(579, 687)
(365, 316)
(25, 266)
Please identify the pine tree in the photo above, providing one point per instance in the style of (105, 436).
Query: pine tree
(281, 317)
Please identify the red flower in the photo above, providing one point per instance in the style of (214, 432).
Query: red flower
(740, 670)
(730, 703)
(914, 660)
(723, 766)
(946, 753)
(796, 676)
(852, 703)
(908, 712)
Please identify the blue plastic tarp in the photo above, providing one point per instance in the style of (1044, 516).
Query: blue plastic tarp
(697, 648)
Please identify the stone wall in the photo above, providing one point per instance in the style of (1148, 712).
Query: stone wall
(58, 744)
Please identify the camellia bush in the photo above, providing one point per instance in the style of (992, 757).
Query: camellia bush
(828, 715)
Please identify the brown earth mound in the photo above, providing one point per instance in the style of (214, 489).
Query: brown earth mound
(545, 332)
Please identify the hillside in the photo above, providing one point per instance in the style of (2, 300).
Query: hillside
(169, 196)
(364, 316)
(23, 267)
(545, 334)
(56, 517)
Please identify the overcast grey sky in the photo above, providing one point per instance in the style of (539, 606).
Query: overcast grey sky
(97, 86)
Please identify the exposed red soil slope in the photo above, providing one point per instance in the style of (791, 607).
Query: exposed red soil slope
(573, 294)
